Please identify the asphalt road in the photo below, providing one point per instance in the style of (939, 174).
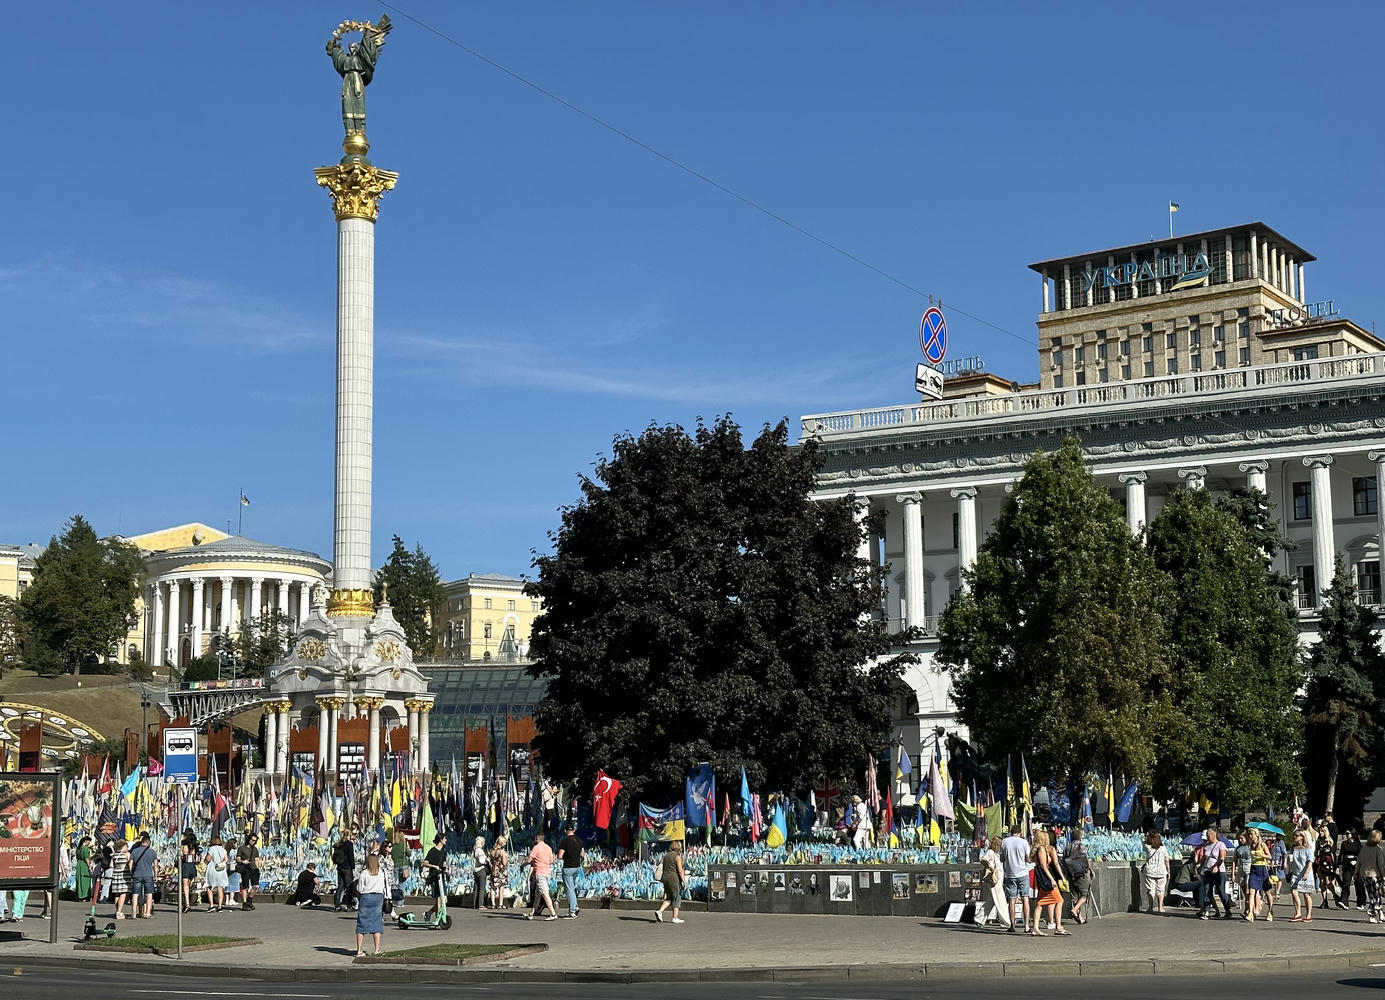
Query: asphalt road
(43, 983)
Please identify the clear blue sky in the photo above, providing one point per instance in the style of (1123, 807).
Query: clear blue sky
(167, 268)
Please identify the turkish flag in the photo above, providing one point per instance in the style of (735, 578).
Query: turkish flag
(603, 799)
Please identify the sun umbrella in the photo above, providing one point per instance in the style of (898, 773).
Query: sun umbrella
(1197, 840)
(1266, 827)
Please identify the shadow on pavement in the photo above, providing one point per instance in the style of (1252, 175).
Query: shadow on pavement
(1364, 984)
(351, 952)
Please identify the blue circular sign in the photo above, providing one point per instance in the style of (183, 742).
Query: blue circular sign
(933, 335)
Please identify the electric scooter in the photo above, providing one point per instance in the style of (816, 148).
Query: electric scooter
(438, 920)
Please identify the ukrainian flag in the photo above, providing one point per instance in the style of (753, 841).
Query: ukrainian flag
(778, 828)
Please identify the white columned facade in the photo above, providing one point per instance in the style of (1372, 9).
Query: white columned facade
(966, 531)
(156, 640)
(256, 596)
(1324, 542)
(1256, 475)
(1378, 457)
(914, 601)
(175, 622)
(1134, 483)
(199, 609)
(1194, 477)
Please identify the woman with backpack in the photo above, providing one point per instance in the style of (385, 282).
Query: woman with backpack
(1079, 868)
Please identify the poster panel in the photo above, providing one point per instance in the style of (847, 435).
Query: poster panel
(30, 808)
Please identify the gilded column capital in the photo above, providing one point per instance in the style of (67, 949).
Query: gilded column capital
(332, 704)
(424, 707)
(371, 704)
(283, 706)
(356, 187)
(347, 603)
(414, 705)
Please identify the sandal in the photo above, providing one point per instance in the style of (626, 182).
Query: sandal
(1062, 933)
(360, 954)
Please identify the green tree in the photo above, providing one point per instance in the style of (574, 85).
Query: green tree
(1232, 650)
(260, 643)
(81, 605)
(415, 594)
(1055, 645)
(1341, 701)
(698, 606)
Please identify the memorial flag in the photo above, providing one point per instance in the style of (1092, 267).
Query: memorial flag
(778, 827)
(904, 772)
(604, 794)
(700, 796)
(662, 824)
(939, 802)
(1127, 802)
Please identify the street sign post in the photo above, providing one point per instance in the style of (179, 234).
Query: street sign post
(933, 335)
(180, 755)
(929, 381)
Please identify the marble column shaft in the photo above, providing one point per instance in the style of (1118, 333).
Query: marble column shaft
(915, 603)
(1324, 542)
(355, 403)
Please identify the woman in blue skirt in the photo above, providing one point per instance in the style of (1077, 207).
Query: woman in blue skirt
(370, 888)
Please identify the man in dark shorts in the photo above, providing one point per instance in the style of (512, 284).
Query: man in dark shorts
(434, 865)
(247, 859)
(143, 866)
(570, 850)
(305, 893)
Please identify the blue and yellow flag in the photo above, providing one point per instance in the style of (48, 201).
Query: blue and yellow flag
(778, 831)
(666, 824)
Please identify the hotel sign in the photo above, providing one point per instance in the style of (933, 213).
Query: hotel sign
(1184, 270)
(1309, 312)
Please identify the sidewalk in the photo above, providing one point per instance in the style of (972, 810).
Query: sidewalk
(627, 945)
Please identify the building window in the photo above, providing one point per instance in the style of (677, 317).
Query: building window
(1219, 333)
(1149, 369)
(1194, 320)
(1125, 371)
(1307, 587)
(1056, 343)
(1146, 327)
(1245, 355)
(1195, 338)
(1170, 341)
(486, 630)
(1148, 344)
(1368, 581)
(1243, 312)
(1081, 377)
(1100, 335)
(1125, 348)
(1101, 351)
(955, 536)
(1079, 355)
(1172, 363)
(1243, 331)
(1219, 359)
(1057, 380)
(1303, 501)
(1363, 497)
(487, 604)
(1196, 362)
(511, 605)
(1103, 376)
(1309, 353)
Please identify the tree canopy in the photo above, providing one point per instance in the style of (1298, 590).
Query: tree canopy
(411, 582)
(1232, 649)
(699, 606)
(81, 605)
(1056, 644)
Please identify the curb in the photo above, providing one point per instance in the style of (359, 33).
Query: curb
(900, 972)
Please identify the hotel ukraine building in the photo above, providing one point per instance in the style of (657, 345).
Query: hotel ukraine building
(1196, 362)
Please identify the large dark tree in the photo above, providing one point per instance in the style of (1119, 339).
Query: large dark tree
(699, 606)
(1342, 702)
(1232, 649)
(81, 605)
(415, 595)
(1056, 644)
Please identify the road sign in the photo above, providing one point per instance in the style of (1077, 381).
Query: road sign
(180, 754)
(929, 381)
(933, 335)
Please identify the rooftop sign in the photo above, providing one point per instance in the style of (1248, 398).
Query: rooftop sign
(1186, 270)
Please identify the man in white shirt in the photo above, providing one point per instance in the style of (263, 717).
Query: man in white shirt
(1014, 852)
(860, 824)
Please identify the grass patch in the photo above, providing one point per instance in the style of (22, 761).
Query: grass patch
(163, 941)
(457, 952)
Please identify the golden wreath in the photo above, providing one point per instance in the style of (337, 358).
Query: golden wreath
(346, 27)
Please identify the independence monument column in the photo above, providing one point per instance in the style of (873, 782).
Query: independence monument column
(356, 186)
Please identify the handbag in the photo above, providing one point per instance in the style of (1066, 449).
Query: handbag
(1042, 881)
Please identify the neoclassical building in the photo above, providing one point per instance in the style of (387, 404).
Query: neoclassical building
(200, 581)
(1305, 423)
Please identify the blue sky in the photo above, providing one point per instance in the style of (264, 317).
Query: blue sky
(167, 272)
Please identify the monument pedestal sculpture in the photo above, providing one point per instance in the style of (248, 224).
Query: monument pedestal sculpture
(349, 657)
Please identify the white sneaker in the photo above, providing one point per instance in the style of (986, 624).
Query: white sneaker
(677, 920)
(659, 917)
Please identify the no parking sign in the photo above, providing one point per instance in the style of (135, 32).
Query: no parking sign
(933, 335)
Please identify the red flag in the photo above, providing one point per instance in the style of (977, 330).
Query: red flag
(603, 798)
(726, 808)
(103, 786)
(754, 818)
(155, 768)
(889, 814)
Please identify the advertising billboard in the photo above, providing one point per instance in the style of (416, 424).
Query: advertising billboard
(30, 810)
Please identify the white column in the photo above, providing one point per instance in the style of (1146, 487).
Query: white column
(175, 620)
(1256, 475)
(1324, 544)
(271, 740)
(425, 751)
(355, 403)
(915, 604)
(256, 595)
(304, 601)
(372, 751)
(1044, 279)
(966, 531)
(199, 608)
(333, 738)
(324, 725)
(413, 737)
(1302, 291)
(156, 640)
(1134, 499)
(1194, 477)
(281, 749)
(1378, 457)
(228, 604)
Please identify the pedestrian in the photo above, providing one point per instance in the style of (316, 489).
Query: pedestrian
(1279, 867)
(1079, 868)
(1047, 876)
(232, 871)
(248, 862)
(399, 855)
(500, 871)
(540, 864)
(992, 887)
(1301, 883)
(1258, 878)
(1156, 871)
(119, 876)
(480, 871)
(305, 890)
(434, 868)
(1325, 868)
(1370, 871)
(370, 904)
(860, 824)
(190, 852)
(344, 860)
(1014, 852)
(84, 876)
(100, 865)
(1214, 875)
(144, 861)
(217, 875)
(673, 875)
(570, 850)
(1347, 852)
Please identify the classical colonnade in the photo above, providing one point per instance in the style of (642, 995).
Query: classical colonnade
(278, 720)
(193, 606)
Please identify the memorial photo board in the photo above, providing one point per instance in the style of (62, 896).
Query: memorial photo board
(30, 813)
